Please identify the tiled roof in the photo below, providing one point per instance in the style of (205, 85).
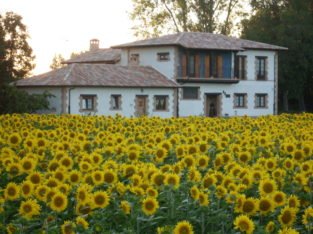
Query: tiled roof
(108, 55)
(95, 75)
(199, 40)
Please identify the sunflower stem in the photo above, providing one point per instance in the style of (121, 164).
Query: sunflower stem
(202, 223)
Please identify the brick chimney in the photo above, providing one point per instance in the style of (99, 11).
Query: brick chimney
(94, 44)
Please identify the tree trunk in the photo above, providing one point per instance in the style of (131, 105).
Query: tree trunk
(285, 101)
(301, 103)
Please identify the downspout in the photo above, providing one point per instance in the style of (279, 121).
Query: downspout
(276, 84)
(69, 100)
(177, 102)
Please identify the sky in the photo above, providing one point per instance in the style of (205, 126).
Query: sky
(66, 26)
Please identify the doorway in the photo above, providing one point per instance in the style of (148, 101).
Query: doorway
(213, 104)
(141, 105)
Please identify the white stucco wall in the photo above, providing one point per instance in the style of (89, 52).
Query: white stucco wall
(54, 102)
(127, 102)
(148, 57)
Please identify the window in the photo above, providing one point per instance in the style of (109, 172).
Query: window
(161, 102)
(191, 65)
(116, 102)
(216, 66)
(190, 92)
(88, 102)
(260, 100)
(240, 67)
(261, 68)
(163, 56)
(240, 100)
(134, 59)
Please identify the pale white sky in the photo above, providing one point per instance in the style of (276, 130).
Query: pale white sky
(66, 26)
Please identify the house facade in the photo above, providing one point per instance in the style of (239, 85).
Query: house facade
(181, 74)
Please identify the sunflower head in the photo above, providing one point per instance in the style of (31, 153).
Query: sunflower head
(29, 208)
(150, 205)
(244, 224)
(183, 227)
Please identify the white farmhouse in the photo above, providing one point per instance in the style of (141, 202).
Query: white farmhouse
(182, 74)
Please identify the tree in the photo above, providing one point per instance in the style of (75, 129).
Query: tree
(154, 17)
(288, 23)
(16, 59)
(57, 62)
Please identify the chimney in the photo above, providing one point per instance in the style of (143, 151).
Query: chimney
(94, 45)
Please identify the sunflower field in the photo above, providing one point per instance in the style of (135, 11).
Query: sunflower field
(99, 174)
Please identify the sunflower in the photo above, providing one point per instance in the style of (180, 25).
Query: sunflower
(97, 177)
(293, 202)
(307, 218)
(129, 170)
(158, 178)
(125, 206)
(100, 199)
(14, 139)
(279, 198)
(85, 166)
(29, 208)
(203, 146)
(60, 175)
(74, 176)
(244, 157)
(83, 192)
(267, 187)
(27, 188)
(109, 177)
(244, 224)
(80, 221)
(270, 227)
(152, 192)
(12, 191)
(183, 227)
(194, 192)
(288, 164)
(172, 180)
(68, 227)
(149, 205)
(203, 199)
(265, 205)
(160, 154)
(203, 162)
(208, 181)
(67, 162)
(287, 216)
(298, 155)
(41, 192)
(58, 202)
(189, 161)
(14, 168)
(250, 206)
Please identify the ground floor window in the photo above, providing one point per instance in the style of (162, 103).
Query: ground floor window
(116, 101)
(240, 100)
(161, 102)
(190, 92)
(88, 102)
(260, 100)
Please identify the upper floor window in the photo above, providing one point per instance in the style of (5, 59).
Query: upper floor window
(261, 68)
(191, 65)
(240, 67)
(240, 100)
(161, 102)
(190, 92)
(88, 102)
(260, 100)
(163, 56)
(134, 59)
(116, 102)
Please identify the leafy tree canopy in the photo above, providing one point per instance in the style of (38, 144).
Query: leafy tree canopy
(154, 17)
(57, 62)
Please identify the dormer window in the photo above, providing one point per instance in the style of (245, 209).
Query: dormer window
(134, 59)
(164, 56)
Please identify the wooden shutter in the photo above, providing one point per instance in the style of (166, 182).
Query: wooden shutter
(197, 65)
(219, 66)
(207, 66)
(184, 66)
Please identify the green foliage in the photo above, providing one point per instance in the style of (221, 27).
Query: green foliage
(154, 17)
(287, 23)
(13, 100)
(57, 62)
(16, 59)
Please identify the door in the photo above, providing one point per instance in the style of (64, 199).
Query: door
(213, 105)
(141, 105)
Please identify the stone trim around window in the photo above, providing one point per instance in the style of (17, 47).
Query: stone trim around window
(155, 103)
(134, 59)
(265, 95)
(245, 101)
(112, 105)
(256, 67)
(95, 102)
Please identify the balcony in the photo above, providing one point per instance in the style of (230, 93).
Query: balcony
(207, 80)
